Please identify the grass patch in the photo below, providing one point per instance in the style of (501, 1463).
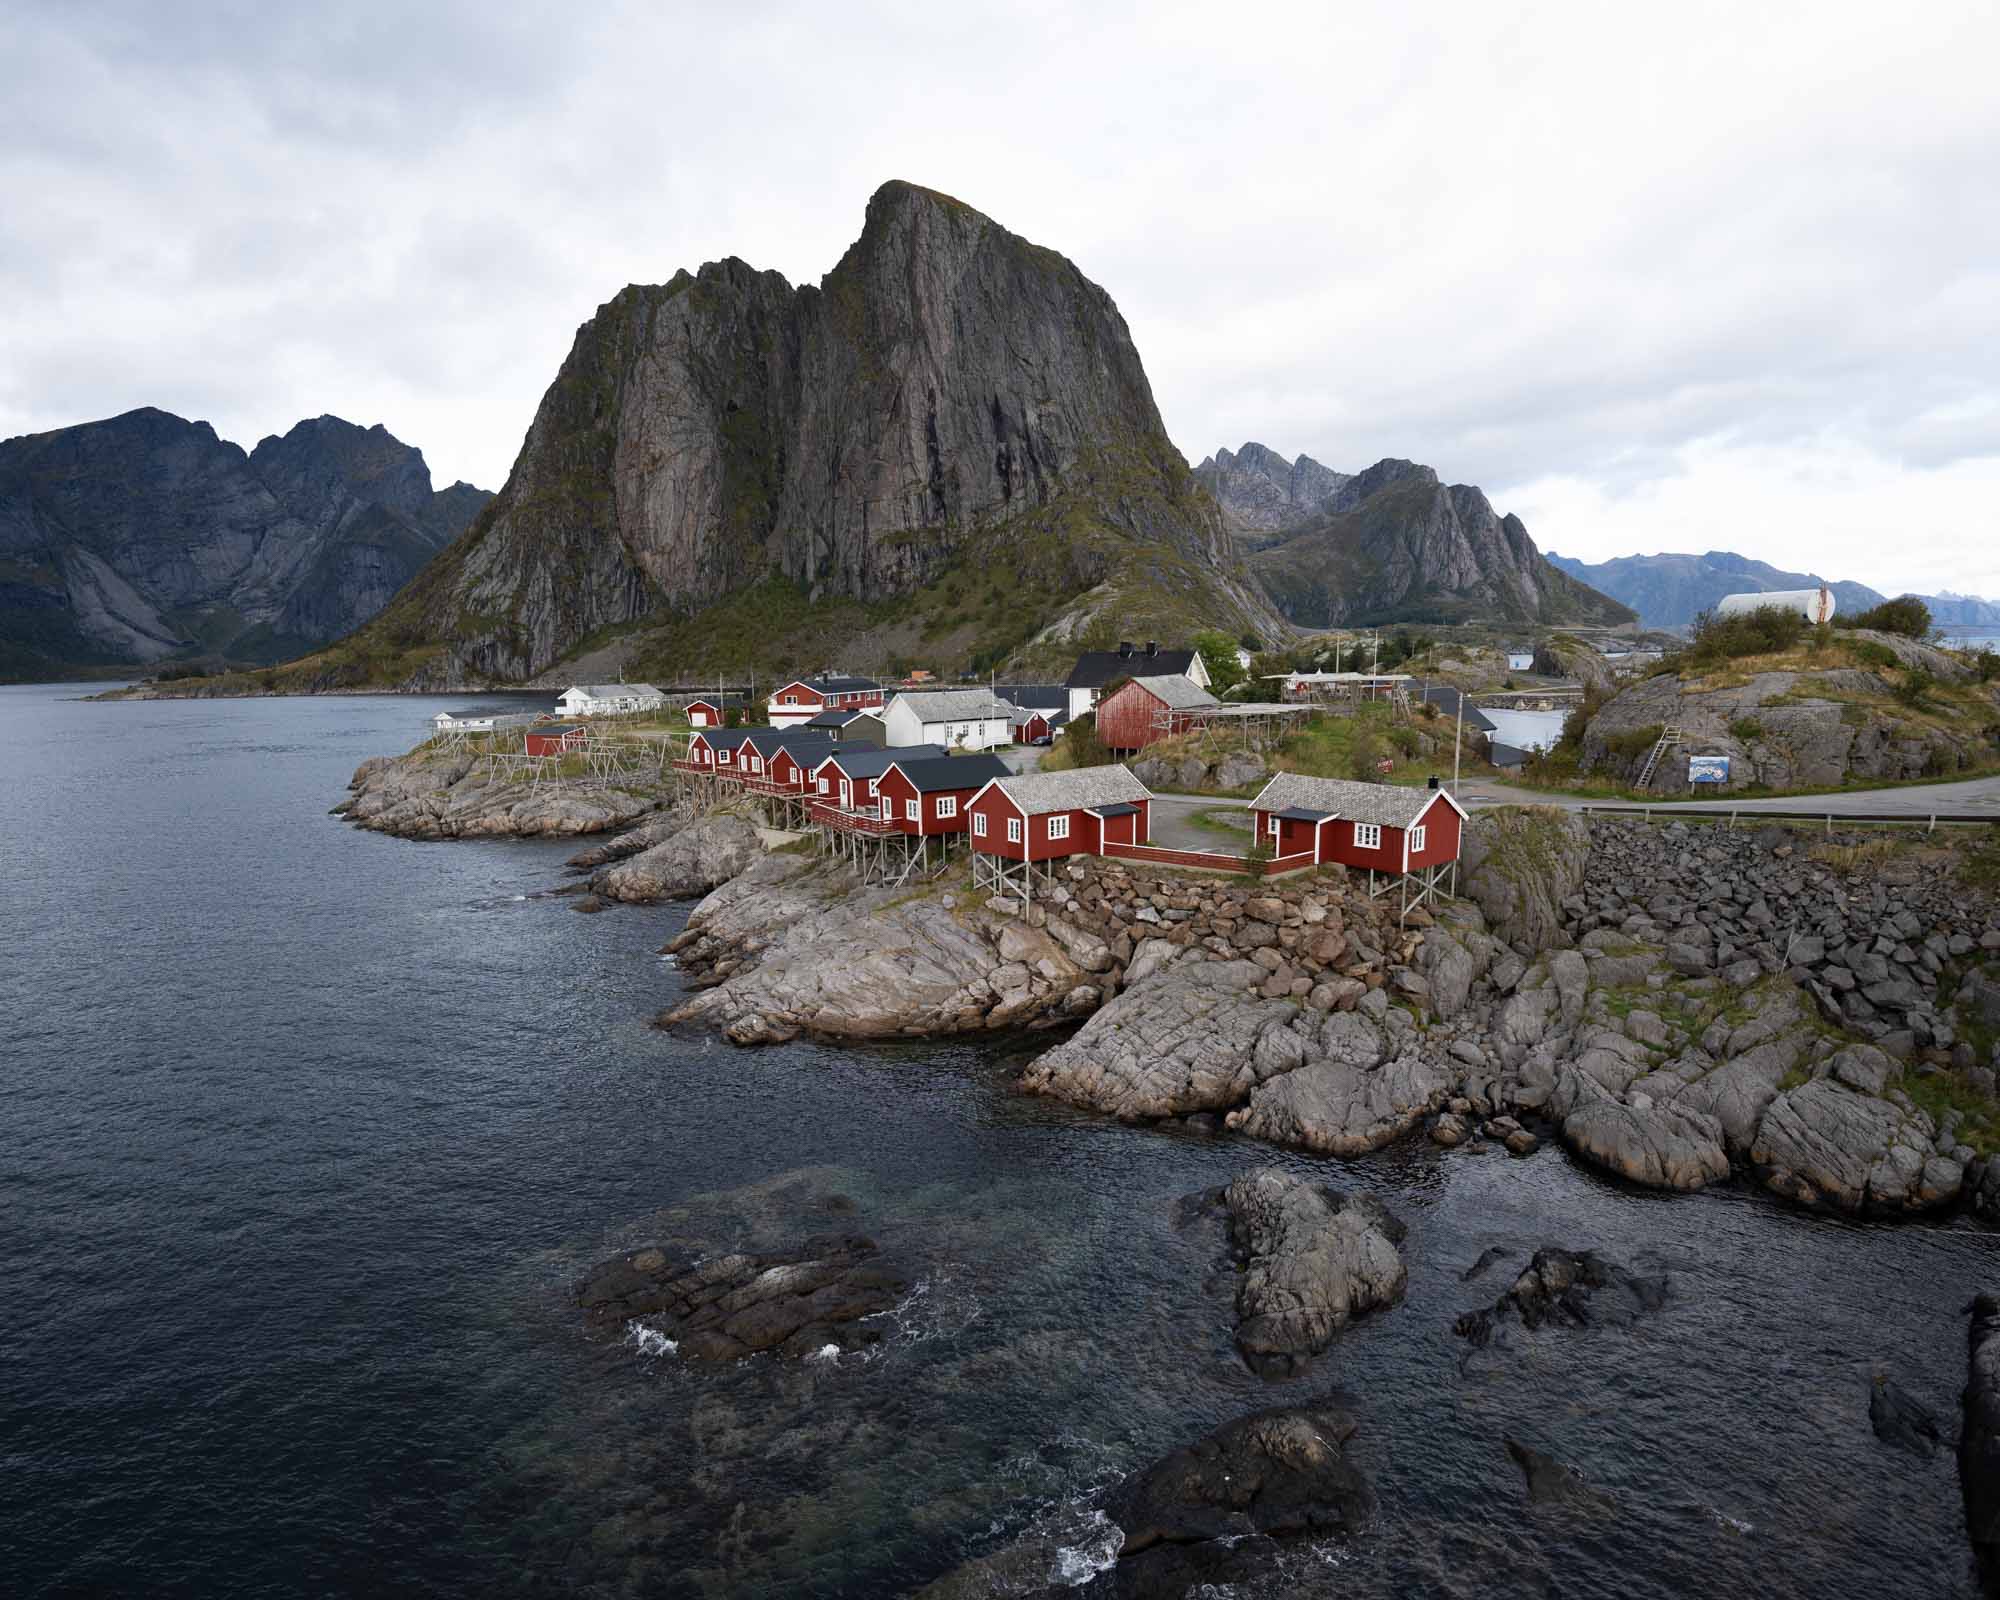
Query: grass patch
(1942, 1092)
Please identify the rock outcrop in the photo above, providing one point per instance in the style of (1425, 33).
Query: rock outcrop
(699, 856)
(1393, 543)
(144, 537)
(1519, 864)
(1552, 1482)
(1792, 729)
(725, 1306)
(949, 393)
(1670, 591)
(1311, 1261)
(1264, 495)
(441, 794)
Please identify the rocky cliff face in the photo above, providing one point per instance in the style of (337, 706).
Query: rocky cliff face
(145, 537)
(1670, 591)
(1261, 493)
(1393, 544)
(950, 398)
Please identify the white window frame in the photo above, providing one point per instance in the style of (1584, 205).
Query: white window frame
(1417, 841)
(947, 806)
(978, 824)
(826, 786)
(754, 762)
(788, 700)
(1368, 836)
(911, 813)
(725, 757)
(1274, 827)
(1013, 830)
(1059, 825)
(888, 809)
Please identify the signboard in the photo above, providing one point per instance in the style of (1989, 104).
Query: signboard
(1708, 769)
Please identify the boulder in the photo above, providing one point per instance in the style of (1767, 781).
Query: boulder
(1661, 1144)
(1550, 1482)
(1279, 1473)
(1335, 1105)
(1567, 1288)
(1826, 1145)
(1311, 1260)
(1901, 1420)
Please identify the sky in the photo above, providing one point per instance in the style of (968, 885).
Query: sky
(1679, 277)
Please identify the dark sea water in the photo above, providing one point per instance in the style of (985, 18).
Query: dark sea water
(304, 1132)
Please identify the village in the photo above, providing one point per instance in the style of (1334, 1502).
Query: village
(901, 781)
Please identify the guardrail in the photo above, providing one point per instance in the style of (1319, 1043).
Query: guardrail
(1929, 821)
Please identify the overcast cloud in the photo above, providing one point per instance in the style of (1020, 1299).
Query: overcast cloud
(1701, 277)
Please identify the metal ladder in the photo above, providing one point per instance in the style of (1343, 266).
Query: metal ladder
(1669, 737)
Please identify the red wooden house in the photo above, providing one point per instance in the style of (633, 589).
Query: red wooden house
(552, 741)
(805, 698)
(779, 759)
(713, 710)
(846, 775)
(714, 750)
(1142, 710)
(929, 794)
(1405, 833)
(1020, 822)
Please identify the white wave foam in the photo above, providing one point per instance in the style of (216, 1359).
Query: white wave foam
(649, 1341)
(826, 1352)
(939, 1307)
(1733, 1524)
(1096, 1551)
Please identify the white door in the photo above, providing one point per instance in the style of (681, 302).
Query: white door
(846, 792)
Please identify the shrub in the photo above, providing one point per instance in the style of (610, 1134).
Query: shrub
(1633, 742)
(1871, 654)
(1364, 752)
(1985, 664)
(1908, 616)
(1915, 689)
(1765, 631)
(1081, 744)
(1744, 729)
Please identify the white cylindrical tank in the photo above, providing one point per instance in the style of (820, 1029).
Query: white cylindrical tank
(1815, 605)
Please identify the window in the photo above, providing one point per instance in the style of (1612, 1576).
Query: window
(1059, 826)
(978, 824)
(789, 700)
(888, 809)
(726, 757)
(1274, 827)
(909, 811)
(826, 786)
(754, 764)
(1368, 836)
(1416, 841)
(947, 805)
(1013, 830)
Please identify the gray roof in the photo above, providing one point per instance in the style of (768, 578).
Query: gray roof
(1095, 668)
(865, 761)
(1448, 699)
(953, 705)
(1177, 692)
(1346, 799)
(938, 774)
(1034, 696)
(1036, 793)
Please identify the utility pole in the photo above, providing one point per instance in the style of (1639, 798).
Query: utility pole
(1457, 744)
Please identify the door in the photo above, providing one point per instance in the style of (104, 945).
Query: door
(846, 793)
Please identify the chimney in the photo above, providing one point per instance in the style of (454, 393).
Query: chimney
(1152, 647)
(1124, 649)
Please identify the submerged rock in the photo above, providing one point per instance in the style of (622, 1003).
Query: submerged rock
(721, 1307)
(1312, 1261)
(1899, 1419)
(1979, 1438)
(1552, 1482)
(1573, 1288)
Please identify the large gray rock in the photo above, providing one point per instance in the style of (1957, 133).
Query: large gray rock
(1826, 1145)
(694, 860)
(1311, 1260)
(1188, 1039)
(1661, 1144)
(1332, 1105)
(1518, 864)
(1739, 1092)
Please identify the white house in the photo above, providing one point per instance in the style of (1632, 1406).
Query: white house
(958, 719)
(608, 699)
(463, 722)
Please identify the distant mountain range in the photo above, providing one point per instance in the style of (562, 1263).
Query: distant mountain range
(144, 538)
(1670, 591)
(1391, 544)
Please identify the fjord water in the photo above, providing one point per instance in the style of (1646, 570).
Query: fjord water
(304, 1133)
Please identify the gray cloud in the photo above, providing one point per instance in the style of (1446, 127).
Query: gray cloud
(1720, 275)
